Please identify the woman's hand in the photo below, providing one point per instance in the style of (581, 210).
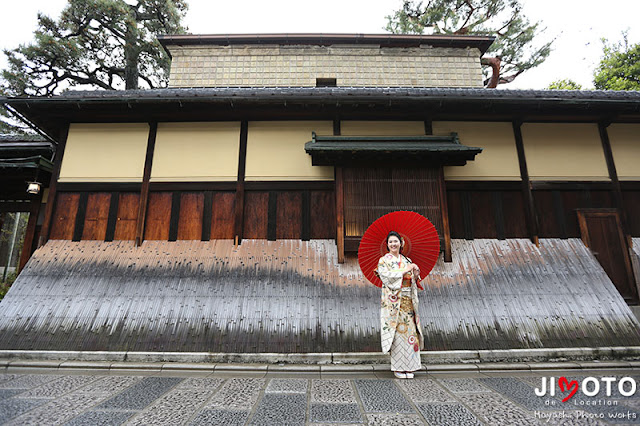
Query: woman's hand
(412, 267)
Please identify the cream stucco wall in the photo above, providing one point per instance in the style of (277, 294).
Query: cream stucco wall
(275, 151)
(564, 151)
(112, 152)
(194, 152)
(498, 159)
(382, 128)
(625, 144)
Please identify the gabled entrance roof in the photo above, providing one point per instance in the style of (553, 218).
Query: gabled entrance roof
(351, 150)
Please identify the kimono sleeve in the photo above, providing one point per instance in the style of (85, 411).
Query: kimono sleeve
(390, 278)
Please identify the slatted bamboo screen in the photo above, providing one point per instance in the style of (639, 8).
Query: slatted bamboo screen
(373, 192)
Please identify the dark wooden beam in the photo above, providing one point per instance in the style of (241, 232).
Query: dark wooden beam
(571, 185)
(467, 215)
(340, 213)
(34, 211)
(242, 163)
(558, 210)
(339, 188)
(174, 220)
(615, 182)
(112, 220)
(99, 186)
(530, 210)
(428, 127)
(289, 185)
(272, 216)
(191, 186)
(80, 216)
(444, 210)
(475, 186)
(144, 191)
(306, 216)
(207, 214)
(498, 214)
(53, 184)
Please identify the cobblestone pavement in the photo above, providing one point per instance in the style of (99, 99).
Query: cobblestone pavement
(89, 397)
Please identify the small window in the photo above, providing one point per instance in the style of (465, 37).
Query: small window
(326, 82)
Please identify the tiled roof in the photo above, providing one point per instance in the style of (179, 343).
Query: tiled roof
(352, 92)
(11, 138)
(482, 42)
(259, 103)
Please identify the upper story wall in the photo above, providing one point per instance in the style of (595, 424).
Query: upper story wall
(209, 151)
(301, 65)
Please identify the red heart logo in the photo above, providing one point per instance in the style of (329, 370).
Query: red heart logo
(569, 385)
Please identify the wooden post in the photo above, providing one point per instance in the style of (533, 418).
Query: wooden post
(337, 131)
(529, 206)
(444, 210)
(144, 190)
(428, 127)
(340, 213)
(336, 127)
(242, 163)
(53, 184)
(34, 211)
(615, 183)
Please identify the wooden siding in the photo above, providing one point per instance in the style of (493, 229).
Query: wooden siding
(256, 208)
(476, 210)
(323, 214)
(127, 216)
(64, 216)
(158, 216)
(194, 296)
(632, 206)
(289, 215)
(96, 217)
(223, 208)
(191, 213)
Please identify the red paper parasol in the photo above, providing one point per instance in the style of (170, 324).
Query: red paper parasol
(421, 242)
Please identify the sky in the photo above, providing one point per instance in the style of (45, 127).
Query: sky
(576, 25)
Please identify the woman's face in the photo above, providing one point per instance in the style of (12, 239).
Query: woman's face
(393, 244)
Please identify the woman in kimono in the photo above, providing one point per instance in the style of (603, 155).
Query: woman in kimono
(400, 332)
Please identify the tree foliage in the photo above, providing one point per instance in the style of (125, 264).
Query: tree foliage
(619, 68)
(514, 44)
(103, 44)
(565, 84)
(8, 123)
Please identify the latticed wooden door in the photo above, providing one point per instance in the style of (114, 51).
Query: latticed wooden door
(373, 192)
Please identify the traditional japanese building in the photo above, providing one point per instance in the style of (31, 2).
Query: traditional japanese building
(223, 213)
(25, 172)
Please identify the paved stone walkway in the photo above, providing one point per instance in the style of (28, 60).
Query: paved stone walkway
(93, 397)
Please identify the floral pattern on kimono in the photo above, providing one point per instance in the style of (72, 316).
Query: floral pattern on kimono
(390, 270)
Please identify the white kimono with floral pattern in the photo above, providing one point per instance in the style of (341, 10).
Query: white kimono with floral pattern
(390, 271)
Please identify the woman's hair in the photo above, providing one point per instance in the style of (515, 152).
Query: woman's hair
(394, 234)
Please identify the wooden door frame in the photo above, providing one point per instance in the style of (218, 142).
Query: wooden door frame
(584, 233)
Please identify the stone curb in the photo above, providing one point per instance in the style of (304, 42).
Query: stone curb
(132, 367)
(483, 360)
(630, 354)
